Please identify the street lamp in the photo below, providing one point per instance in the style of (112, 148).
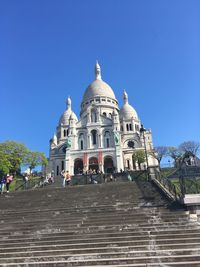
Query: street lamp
(142, 131)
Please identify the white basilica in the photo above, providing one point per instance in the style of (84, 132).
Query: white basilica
(105, 136)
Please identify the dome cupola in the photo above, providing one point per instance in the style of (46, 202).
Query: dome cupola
(127, 112)
(98, 92)
(64, 119)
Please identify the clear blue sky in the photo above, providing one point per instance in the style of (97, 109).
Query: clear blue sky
(48, 50)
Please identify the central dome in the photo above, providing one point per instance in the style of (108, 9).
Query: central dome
(98, 87)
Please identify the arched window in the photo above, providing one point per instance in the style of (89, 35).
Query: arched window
(93, 116)
(107, 139)
(107, 142)
(130, 127)
(80, 141)
(57, 170)
(110, 115)
(128, 164)
(127, 128)
(104, 113)
(67, 132)
(63, 165)
(64, 133)
(122, 128)
(81, 144)
(94, 137)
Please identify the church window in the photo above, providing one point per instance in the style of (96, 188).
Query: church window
(63, 167)
(130, 126)
(57, 170)
(94, 137)
(93, 116)
(107, 139)
(91, 101)
(127, 127)
(98, 100)
(108, 100)
(107, 142)
(67, 132)
(113, 102)
(128, 164)
(110, 115)
(131, 144)
(122, 128)
(137, 127)
(104, 113)
(103, 100)
(81, 144)
(64, 133)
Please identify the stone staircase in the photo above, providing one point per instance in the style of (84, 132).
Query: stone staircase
(112, 224)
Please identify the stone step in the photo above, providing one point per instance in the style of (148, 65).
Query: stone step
(84, 222)
(105, 255)
(100, 250)
(97, 236)
(115, 224)
(86, 261)
(65, 263)
(90, 243)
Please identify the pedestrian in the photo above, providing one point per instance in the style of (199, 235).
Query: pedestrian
(2, 183)
(63, 177)
(68, 178)
(25, 178)
(9, 179)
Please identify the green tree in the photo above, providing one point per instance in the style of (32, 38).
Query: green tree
(14, 153)
(5, 164)
(139, 157)
(34, 159)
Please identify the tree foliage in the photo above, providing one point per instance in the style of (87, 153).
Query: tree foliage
(139, 156)
(34, 159)
(13, 155)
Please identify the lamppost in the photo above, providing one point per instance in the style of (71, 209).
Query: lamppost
(142, 131)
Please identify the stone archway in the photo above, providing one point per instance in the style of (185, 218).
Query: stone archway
(108, 164)
(93, 164)
(78, 166)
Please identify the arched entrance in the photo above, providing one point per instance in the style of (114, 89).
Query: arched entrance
(78, 166)
(108, 165)
(93, 164)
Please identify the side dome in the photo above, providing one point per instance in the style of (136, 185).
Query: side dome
(98, 87)
(64, 119)
(127, 112)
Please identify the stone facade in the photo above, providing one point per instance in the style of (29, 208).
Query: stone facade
(104, 137)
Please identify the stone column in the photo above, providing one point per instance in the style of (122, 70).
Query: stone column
(89, 141)
(68, 162)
